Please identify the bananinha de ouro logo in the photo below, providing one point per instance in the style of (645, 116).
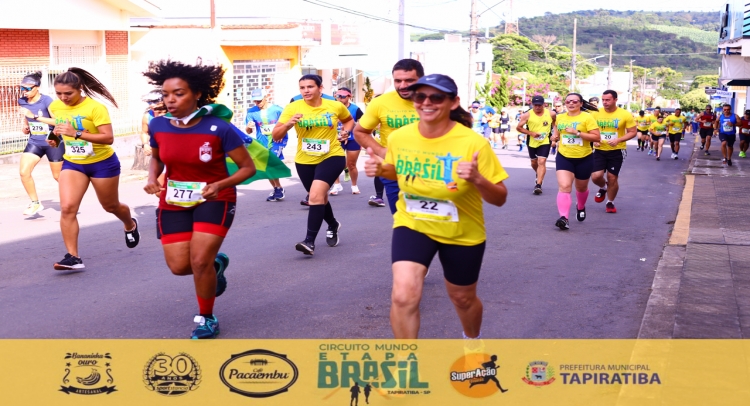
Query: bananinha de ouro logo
(259, 373)
(388, 370)
(172, 376)
(88, 374)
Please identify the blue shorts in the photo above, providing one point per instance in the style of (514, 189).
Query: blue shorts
(695, 127)
(108, 168)
(728, 138)
(745, 138)
(391, 191)
(351, 145)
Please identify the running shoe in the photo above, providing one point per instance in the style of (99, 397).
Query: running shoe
(278, 193)
(724, 161)
(538, 189)
(706, 153)
(220, 265)
(562, 223)
(600, 195)
(306, 247)
(347, 177)
(355, 189)
(272, 196)
(676, 157)
(729, 162)
(35, 207)
(332, 234)
(703, 146)
(376, 201)
(335, 189)
(658, 159)
(742, 154)
(133, 236)
(581, 214)
(520, 147)
(69, 263)
(611, 208)
(306, 201)
(207, 327)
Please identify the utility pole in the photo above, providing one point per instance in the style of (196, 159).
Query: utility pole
(401, 34)
(213, 14)
(609, 71)
(630, 85)
(473, 33)
(573, 61)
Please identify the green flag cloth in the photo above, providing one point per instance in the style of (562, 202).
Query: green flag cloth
(267, 164)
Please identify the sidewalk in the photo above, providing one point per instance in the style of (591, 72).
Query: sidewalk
(702, 284)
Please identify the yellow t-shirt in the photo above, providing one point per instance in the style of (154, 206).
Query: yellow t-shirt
(658, 129)
(86, 115)
(644, 122)
(391, 111)
(433, 200)
(541, 125)
(571, 145)
(613, 125)
(675, 124)
(317, 130)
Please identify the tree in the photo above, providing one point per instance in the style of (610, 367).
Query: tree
(702, 81)
(494, 93)
(694, 99)
(669, 79)
(546, 42)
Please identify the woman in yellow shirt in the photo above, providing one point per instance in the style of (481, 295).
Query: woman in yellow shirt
(444, 171)
(576, 130)
(84, 126)
(658, 132)
(320, 158)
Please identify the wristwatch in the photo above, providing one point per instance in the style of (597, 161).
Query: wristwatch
(579, 133)
(79, 134)
(36, 118)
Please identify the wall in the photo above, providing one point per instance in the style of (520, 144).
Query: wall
(19, 47)
(245, 53)
(63, 15)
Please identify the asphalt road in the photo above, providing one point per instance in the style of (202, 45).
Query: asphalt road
(592, 281)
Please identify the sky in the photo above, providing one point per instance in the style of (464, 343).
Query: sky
(437, 14)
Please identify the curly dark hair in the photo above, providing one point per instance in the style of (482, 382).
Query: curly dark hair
(208, 80)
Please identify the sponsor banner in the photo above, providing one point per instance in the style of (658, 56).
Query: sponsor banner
(375, 372)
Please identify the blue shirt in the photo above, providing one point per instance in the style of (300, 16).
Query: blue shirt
(263, 127)
(488, 110)
(39, 108)
(727, 125)
(356, 115)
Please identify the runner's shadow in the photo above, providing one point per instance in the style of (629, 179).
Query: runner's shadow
(70, 272)
(49, 204)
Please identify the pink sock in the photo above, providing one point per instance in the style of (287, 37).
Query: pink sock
(563, 204)
(581, 198)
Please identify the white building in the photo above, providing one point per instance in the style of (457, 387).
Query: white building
(734, 47)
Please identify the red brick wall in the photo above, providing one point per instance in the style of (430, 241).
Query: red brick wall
(116, 42)
(24, 46)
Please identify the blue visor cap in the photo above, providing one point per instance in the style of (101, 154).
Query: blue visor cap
(440, 82)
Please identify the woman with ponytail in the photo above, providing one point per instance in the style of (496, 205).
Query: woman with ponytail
(35, 106)
(83, 125)
(444, 171)
(575, 132)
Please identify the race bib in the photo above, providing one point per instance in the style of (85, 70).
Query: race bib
(313, 146)
(659, 132)
(607, 135)
(541, 137)
(727, 127)
(423, 208)
(707, 124)
(569, 139)
(37, 128)
(745, 130)
(266, 129)
(506, 127)
(184, 194)
(78, 149)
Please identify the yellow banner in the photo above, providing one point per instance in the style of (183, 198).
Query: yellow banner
(375, 372)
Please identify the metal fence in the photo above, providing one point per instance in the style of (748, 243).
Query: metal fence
(121, 78)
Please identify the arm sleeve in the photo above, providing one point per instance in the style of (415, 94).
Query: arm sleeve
(489, 166)
(371, 118)
(152, 139)
(100, 115)
(231, 138)
(630, 121)
(591, 124)
(343, 111)
(358, 115)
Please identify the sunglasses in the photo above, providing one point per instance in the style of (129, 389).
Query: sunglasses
(343, 96)
(27, 89)
(572, 101)
(435, 98)
(558, 105)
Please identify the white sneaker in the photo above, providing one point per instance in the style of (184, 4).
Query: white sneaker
(355, 190)
(33, 208)
(335, 189)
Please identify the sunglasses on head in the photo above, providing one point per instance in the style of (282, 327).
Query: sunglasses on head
(27, 89)
(343, 96)
(435, 98)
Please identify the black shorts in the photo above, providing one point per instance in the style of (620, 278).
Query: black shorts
(610, 161)
(656, 138)
(540, 151)
(643, 132)
(728, 138)
(581, 167)
(706, 132)
(327, 171)
(461, 263)
(53, 154)
(675, 137)
(212, 217)
(497, 130)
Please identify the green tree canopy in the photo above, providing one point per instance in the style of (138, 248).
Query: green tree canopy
(694, 99)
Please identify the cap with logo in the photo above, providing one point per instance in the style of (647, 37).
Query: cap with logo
(537, 100)
(257, 94)
(440, 82)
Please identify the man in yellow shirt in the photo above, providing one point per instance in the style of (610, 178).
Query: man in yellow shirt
(539, 122)
(391, 111)
(676, 124)
(616, 126)
(643, 123)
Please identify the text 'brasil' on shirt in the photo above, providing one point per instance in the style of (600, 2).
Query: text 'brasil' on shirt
(319, 126)
(391, 112)
(571, 145)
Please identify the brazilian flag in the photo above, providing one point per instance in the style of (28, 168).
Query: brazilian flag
(267, 164)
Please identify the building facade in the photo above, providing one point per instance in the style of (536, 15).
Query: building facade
(734, 48)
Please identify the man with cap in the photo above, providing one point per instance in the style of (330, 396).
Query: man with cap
(261, 119)
(537, 124)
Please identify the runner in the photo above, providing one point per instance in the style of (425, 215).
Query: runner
(676, 124)
(539, 122)
(494, 125)
(594, 102)
(643, 123)
(706, 121)
(261, 118)
(616, 127)
(438, 213)
(575, 130)
(197, 207)
(488, 113)
(320, 159)
(35, 107)
(477, 115)
(504, 128)
(351, 146)
(726, 127)
(744, 133)
(391, 111)
(658, 132)
(83, 125)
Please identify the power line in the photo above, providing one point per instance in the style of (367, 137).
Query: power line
(585, 53)
(372, 17)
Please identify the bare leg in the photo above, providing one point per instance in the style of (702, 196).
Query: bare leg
(28, 163)
(468, 306)
(408, 280)
(108, 194)
(73, 185)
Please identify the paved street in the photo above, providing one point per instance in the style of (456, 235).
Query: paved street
(592, 281)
